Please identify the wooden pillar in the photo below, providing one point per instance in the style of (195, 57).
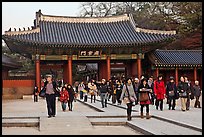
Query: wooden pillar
(195, 73)
(70, 70)
(176, 76)
(37, 71)
(134, 69)
(108, 68)
(65, 76)
(157, 72)
(139, 66)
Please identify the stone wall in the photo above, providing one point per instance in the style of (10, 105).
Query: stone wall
(15, 89)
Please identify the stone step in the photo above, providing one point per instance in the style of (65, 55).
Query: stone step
(20, 122)
(151, 126)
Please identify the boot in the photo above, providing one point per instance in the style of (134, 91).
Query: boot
(141, 115)
(148, 116)
(128, 117)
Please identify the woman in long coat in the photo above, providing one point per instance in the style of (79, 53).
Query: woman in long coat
(127, 93)
(71, 96)
(159, 91)
(144, 89)
(171, 93)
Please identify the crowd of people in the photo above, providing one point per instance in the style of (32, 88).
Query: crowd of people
(143, 91)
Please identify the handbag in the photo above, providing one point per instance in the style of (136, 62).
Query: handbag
(144, 96)
(132, 99)
(126, 100)
(171, 93)
(42, 93)
(183, 94)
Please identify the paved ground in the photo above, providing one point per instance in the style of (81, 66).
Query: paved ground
(108, 121)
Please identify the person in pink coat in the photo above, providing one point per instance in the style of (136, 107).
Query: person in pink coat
(159, 90)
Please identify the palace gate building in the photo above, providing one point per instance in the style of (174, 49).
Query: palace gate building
(58, 42)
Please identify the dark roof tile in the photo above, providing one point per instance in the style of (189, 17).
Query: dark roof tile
(177, 57)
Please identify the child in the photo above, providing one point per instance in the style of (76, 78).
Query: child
(64, 97)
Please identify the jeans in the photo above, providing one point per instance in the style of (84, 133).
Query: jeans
(104, 99)
(81, 94)
(64, 105)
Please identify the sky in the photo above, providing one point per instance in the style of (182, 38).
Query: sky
(22, 14)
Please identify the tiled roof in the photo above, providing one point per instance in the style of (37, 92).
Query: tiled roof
(176, 57)
(9, 62)
(77, 31)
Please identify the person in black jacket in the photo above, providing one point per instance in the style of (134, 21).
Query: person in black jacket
(119, 88)
(103, 92)
(35, 92)
(71, 96)
(171, 93)
(183, 89)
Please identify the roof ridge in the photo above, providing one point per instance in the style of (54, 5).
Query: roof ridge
(36, 30)
(178, 50)
(106, 19)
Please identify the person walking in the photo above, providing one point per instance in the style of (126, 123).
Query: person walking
(136, 85)
(183, 89)
(197, 94)
(71, 96)
(144, 96)
(129, 96)
(103, 92)
(119, 88)
(64, 97)
(81, 88)
(159, 90)
(171, 93)
(92, 91)
(188, 93)
(150, 82)
(50, 88)
(35, 93)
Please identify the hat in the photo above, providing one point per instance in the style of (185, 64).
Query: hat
(103, 80)
(171, 78)
(49, 75)
(136, 79)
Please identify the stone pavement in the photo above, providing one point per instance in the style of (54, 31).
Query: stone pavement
(110, 120)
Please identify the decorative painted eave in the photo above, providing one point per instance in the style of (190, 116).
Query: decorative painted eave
(155, 31)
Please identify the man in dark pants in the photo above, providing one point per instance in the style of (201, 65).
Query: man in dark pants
(50, 89)
(35, 92)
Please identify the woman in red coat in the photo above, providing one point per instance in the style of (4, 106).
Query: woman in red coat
(159, 90)
(64, 97)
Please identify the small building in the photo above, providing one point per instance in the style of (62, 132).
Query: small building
(8, 64)
(176, 63)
